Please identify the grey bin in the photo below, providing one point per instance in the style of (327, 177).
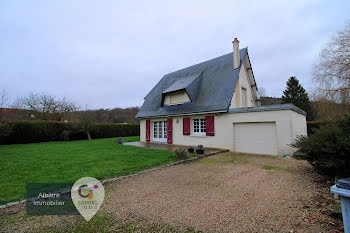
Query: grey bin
(342, 189)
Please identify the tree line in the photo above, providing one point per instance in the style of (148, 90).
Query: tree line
(41, 106)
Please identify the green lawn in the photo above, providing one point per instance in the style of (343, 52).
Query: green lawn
(69, 161)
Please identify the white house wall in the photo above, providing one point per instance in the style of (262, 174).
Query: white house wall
(289, 124)
(299, 126)
(236, 101)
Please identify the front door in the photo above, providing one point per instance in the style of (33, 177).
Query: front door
(160, 131)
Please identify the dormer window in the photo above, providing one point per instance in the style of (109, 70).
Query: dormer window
(183, 90)
(175, 98)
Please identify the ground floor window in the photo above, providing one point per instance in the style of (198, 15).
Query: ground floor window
(198, 126)
(160, 131)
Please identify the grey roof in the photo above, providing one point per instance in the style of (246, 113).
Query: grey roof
(210, 86)
(269, 108)
(182, 83)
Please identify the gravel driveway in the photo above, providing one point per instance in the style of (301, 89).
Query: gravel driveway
(223, 193)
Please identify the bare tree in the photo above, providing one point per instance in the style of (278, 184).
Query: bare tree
(4, 98)
(262, 91)
(45, 106)
(332, 72)
(85, 122)
(328, 110)
(5, 128)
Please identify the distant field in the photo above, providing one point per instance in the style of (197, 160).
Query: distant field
(69, 161)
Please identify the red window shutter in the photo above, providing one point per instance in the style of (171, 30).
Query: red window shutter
(186, 126)
(169, 126)
(209, 125)
(148, 130)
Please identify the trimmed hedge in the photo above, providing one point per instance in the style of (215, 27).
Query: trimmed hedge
(109, 130)
(33, 131)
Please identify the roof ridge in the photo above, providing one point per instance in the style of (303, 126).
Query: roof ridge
(204, 62)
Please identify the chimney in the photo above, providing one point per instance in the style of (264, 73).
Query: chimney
(236, 57)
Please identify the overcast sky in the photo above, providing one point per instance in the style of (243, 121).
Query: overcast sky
(107, 54)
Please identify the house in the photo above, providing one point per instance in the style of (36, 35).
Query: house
(11, 114)
(216, 104)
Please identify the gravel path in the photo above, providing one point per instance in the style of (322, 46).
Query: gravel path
(223, 193)
(227, 193)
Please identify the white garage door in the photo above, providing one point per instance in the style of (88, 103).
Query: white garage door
(257, 138)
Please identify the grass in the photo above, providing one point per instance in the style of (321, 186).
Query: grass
(227, 158)
(68, 161)
(207, 161)
(272, 168)
(336, 211)
(108, 223)
(191, 155)
(103, 222)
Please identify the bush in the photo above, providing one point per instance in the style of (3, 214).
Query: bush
(43, 131)
(181, 154)
(5, 128)
(312, 126)
(328, 149)
(109, 130)
(33, 131)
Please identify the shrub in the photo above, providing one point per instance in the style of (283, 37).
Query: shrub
(65, 135)
(32, 131)
(181, 154)
(312, 126)
(5, 128)
(108, 130)
(328, 149)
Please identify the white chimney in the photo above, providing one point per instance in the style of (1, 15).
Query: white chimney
(236, 57)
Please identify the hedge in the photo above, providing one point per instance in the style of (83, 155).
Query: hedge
(33, 131)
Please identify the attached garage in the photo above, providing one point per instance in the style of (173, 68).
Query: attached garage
(255, 138)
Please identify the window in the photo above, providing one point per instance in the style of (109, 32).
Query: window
(198, 126)
(244, 97)
(177, 98)
(155, 129)
(165, 129)
(160, 131)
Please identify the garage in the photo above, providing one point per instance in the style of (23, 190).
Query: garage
(256, 138)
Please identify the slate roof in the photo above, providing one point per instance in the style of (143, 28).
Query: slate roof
(182, 83)
(210, 86)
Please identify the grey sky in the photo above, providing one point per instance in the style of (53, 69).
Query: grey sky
(107, 54)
